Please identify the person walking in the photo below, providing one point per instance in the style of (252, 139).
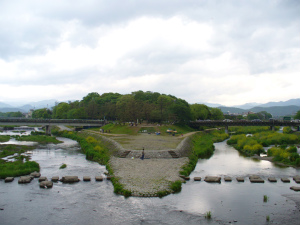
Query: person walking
(143, 154)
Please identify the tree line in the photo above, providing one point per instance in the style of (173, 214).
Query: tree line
(138, 106)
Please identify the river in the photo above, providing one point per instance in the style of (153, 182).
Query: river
(95, 203)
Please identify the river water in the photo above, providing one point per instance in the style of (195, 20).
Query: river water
(95, 203)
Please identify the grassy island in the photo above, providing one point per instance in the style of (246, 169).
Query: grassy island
(283, 150)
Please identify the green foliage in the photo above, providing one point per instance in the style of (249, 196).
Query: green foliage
(268, 218)
(202, 147)
(11, 114)
(287, 156)
(63, 166)
(208, 215)
(42, 113)
(287, 130)
(42, 139)
(4, 138)
(297, 116)
(266, 198)
(17, 168)
(176, 186)
(6, 150)
(254, 145)
(247, 129)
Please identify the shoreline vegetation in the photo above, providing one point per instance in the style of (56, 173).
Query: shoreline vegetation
(282, 146)
(20, 164)
(98, 148)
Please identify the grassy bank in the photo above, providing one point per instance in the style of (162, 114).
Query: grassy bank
(4, 138)
(42, 139)
(251, 145)
(21, 166)
(202, 147)
(95, 150)
(284, 151)
(133, 130)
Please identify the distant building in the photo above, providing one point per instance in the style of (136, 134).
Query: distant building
(29, 114)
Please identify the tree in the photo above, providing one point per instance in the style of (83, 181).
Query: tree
(297, 116)
(200, 111)
(216, 114)
(60, 111)
(42, 113)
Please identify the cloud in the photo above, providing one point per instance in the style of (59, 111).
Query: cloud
(201, 51)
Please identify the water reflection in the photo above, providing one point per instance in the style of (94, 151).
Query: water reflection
(95, 203)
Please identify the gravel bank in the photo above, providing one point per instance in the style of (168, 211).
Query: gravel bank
(147, 177)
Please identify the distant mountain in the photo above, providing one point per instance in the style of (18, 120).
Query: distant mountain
(213, 105)
(247, 105)
(226, 109)
(276, 111)
(25, 108)
(4, 105)
(282, 103)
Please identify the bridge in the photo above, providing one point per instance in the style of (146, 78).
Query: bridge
(226, 124)
(51, 122)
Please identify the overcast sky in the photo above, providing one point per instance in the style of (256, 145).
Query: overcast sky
(229, 52)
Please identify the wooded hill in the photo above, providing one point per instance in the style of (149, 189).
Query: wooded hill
(137, 106)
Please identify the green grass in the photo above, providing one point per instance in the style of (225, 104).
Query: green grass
(268, 218)
(42, 139)
(208, 215)
(7, 150)
(250, 146)
(4, 138)
(202, 147)
(17, 168)
(63, 166)
(266, 198)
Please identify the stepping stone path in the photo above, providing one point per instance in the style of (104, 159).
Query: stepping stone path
(294, 188)
(69, 179)
(55, 179)
(285, 180)
(9, 179)
(297, 179)
(197, 178)
(240, 179)
(227, 179)
(212, 179)
(35, 174)
(256, 179)
(25, 179)
(99, 178)
(43, 179)
(272, 179)
(46, 184)
(86, 178)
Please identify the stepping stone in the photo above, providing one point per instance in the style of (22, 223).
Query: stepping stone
(99, 178)
(285, 180)
(297, 179)
(272, 179)
(240, 179)
(69, 179)
(46, 184)
(227, 179)
(55, 179)
(9, 179)
(35, 174)
(108, 177)
(43, 179)
(86, 178)
(256, 179)
(197, 178)
(212, 179)
(294, 188)
(25, 179)
(187, 178)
